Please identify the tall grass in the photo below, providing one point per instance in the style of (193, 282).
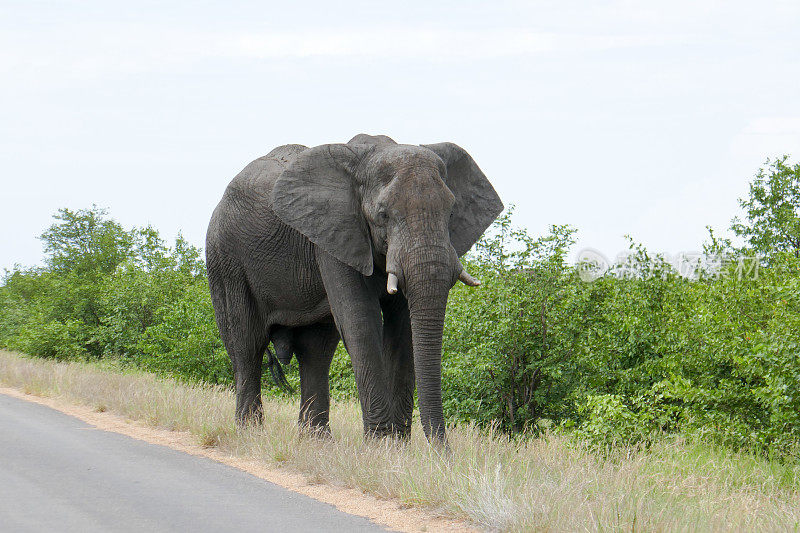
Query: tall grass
(550, 484)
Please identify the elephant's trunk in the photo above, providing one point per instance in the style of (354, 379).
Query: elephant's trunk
(428, 283)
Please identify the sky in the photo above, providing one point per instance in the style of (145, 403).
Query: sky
(619, 118)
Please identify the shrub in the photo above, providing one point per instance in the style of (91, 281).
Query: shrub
(184, 341)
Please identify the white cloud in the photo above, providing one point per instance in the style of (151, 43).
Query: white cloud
(423, 43)
(767, 136)
(132, 50)
(773, 126)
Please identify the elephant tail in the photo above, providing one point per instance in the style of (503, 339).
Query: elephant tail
(276, 371)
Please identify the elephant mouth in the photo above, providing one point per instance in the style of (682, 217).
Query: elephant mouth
(464, 277)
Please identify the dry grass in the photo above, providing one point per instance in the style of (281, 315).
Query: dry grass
(548, 484)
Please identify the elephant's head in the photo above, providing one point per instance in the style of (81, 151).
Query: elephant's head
(404, 212)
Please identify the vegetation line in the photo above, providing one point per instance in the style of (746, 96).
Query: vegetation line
(552, 483)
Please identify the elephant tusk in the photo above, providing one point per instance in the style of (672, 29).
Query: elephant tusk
(466, 279)
(391, 284)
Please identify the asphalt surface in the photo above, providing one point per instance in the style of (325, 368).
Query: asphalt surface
(58, 473)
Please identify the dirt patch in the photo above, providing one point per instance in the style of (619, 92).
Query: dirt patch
(384, 512)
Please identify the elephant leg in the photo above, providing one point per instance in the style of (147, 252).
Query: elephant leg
(245, 339)
(357, 313)
(314, 347)
(398, 359)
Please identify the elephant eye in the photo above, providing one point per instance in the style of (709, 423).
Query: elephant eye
(381, 215)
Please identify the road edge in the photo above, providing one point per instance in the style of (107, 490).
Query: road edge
(387, 513)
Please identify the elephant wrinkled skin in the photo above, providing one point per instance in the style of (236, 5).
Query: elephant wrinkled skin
(359, 241)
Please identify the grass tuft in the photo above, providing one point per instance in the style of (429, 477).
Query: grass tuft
(552, 483)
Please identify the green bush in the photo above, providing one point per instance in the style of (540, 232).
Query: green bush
(52, 338)
(342, 378)
(184, 342)
(774, 358)
(507, 348)
(608, 421)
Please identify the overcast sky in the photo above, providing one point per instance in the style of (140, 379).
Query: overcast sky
(622, 117)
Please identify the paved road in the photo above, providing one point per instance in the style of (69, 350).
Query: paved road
(58, 473)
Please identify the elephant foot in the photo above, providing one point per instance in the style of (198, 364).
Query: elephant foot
(314, 425)
(401, 431)
(252, 415)
(401, 436)
(394, 430)
(386, 430)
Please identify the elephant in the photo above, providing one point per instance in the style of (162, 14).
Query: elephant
(359, 241)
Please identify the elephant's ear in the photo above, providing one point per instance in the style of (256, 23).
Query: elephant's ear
(318, 195)
(477, 203)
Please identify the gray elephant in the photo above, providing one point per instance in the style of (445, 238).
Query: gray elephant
(359, 241)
